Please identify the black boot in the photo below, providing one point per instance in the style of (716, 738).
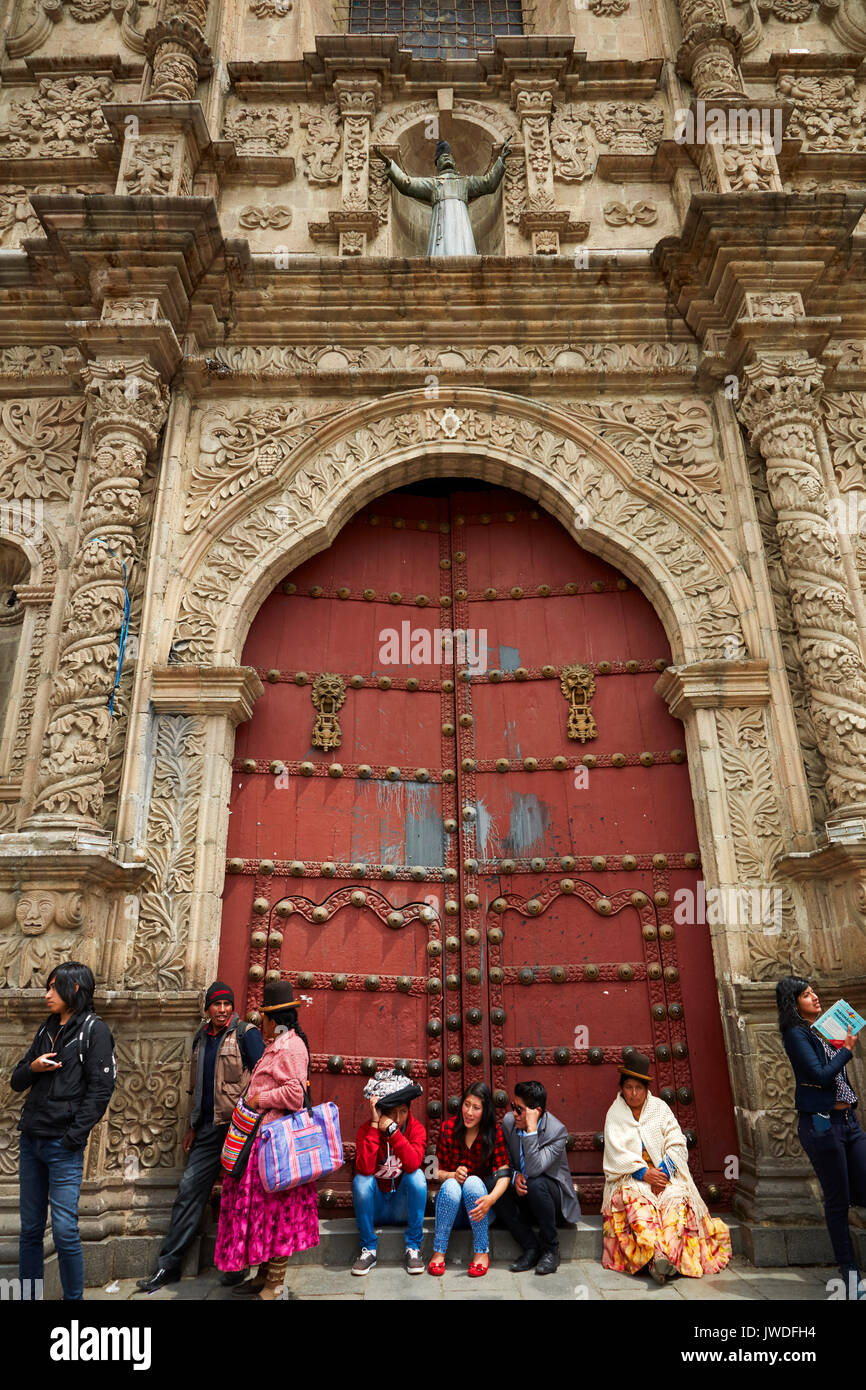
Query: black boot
(158, 1280)
(549, 1262)
(234, 1276)
(528, 1260)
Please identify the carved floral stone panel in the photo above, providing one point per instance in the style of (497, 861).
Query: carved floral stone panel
(38, 446)
(63, 118)
(159, 949)
(143, 1115)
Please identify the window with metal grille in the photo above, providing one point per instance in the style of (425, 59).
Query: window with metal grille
(435, 28)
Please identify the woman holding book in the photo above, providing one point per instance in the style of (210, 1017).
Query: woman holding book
(827, 1124)
(473, 1165)
(654, 1216)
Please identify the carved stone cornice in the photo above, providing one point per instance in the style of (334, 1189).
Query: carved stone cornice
(836, 860)
(227, 691)
(107, 241)
(714, 685)
(712, 265)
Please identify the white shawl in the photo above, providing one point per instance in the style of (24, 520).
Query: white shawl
(656, 1130)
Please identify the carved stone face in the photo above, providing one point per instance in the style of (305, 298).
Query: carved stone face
(445, 164)
(34, 913)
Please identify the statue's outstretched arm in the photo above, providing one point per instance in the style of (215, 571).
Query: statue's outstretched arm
(422, 189)
(480, 184)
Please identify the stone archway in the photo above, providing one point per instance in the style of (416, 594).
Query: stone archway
(285, 479)
(681, 561)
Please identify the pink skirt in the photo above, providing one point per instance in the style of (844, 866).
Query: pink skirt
(256, 1225)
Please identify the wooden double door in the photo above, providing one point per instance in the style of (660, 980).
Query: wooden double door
(461, 821)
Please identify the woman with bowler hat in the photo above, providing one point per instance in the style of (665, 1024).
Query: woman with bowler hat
(258, 1227)
(654, 1216)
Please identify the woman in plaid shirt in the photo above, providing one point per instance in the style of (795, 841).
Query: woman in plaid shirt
(474, 1169)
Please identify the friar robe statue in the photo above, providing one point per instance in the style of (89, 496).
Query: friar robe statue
(450, 194)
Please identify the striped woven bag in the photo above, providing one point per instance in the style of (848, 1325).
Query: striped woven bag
(300, 1148)
(243, 1128)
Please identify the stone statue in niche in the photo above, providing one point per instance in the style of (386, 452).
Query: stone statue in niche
(450, 194)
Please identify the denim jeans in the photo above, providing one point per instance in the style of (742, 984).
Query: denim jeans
(838, 1156)
(453, 1204)
(402, 1207)
(50, 1173)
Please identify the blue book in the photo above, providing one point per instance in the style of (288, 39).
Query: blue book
(834, 1024)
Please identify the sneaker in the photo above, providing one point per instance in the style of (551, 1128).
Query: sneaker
(365, 1262)
(414, 1261)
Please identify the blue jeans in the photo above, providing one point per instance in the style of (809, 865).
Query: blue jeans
(49, 1172)
(402, 1207)
(453, 1205)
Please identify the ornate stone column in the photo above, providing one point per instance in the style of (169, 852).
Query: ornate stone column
(763, 931)
(177, 51)
(732, 155)
(126, 407)
(781, 409)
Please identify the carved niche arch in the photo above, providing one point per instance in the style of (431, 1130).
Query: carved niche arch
(686, 569)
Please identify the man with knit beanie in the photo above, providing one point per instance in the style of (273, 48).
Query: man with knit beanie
(224, 1052)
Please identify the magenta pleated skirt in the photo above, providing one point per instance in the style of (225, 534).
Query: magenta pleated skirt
(256, 1225)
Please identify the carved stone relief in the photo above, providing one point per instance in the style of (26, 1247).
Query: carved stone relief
(828, 112)
(159, 949)
(143, 1114)
(671, 442)
(258, 129)
(38, 446)
(63, 118)
(321, 151)
(774, 948)
(813, 762)
(38, 928)
(548, 454)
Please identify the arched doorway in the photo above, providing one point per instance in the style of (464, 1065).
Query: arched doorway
(475, 875)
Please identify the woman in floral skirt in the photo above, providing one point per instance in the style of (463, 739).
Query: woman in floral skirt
(258, 1227)
(654, 1216)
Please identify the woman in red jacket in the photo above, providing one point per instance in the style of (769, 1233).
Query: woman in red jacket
(389, 1188)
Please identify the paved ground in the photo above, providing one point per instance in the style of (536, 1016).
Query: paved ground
(575, 1279)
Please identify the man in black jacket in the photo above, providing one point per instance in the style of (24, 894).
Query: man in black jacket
(70, 1072)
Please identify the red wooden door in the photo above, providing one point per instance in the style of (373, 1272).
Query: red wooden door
(458, 885)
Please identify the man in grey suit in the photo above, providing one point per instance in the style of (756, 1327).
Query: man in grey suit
(541, 1192)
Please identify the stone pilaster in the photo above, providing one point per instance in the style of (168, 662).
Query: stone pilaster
(357, 101)
(126, 407)
(781, 409)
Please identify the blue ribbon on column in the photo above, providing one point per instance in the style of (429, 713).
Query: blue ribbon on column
(124, 627)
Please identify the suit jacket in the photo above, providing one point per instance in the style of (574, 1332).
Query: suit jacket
(814, 1075)
(544, 1154)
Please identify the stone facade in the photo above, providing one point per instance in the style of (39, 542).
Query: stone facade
(221, 339)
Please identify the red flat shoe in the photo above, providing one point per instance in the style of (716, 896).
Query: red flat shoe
(436, 1267)
(477, 1270)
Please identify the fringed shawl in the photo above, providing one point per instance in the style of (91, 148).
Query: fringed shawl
(657, 1131)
